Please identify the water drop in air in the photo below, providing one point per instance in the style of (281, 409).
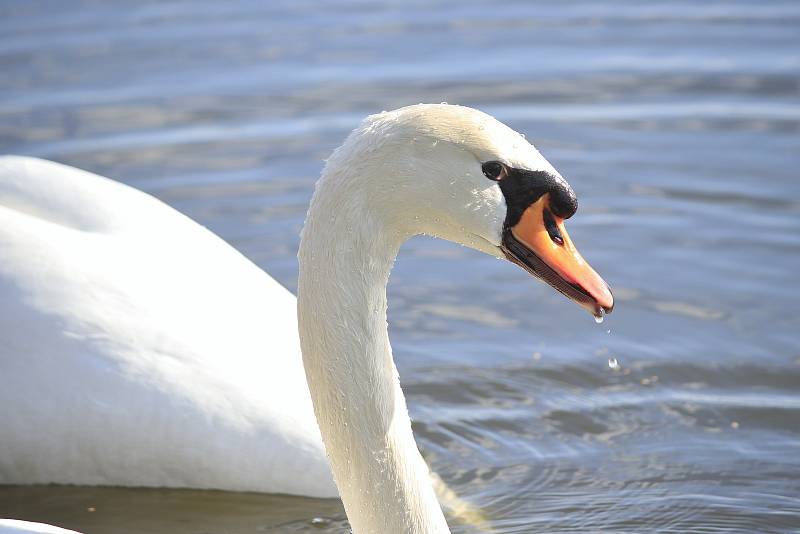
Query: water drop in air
(613, 364)
(598, 318)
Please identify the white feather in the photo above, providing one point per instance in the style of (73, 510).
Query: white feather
(139, 349)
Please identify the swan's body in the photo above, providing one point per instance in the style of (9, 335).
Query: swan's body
(139, 349)
(14, 526)
(127, 325)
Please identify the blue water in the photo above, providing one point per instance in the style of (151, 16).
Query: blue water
(677, 123)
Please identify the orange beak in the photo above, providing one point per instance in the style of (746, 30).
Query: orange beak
(539, 243)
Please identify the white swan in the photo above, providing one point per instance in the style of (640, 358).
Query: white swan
(149, 352)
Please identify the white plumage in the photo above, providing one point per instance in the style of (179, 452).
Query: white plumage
(139, 349)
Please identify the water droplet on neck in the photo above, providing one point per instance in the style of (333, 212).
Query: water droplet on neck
(613, 364)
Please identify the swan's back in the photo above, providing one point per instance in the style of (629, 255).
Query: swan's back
(138, 348)
(73, 198)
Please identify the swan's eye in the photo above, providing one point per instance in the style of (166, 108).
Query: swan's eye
(494, 170)
(552, 228)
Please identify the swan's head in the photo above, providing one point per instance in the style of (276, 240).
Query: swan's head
(459, 174)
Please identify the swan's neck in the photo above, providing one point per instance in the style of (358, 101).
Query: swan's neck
(346, 253)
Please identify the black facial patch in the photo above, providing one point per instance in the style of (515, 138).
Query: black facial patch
(521, 188)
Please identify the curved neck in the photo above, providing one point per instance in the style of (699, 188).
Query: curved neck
(346, 254)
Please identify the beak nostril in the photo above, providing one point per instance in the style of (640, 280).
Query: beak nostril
(552, 227)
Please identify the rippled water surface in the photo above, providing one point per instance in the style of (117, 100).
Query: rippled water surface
(678, 124)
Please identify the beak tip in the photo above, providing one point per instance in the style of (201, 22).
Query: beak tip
(609, 307)
(604, 302)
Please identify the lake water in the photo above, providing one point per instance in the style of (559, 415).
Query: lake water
(677, 123)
